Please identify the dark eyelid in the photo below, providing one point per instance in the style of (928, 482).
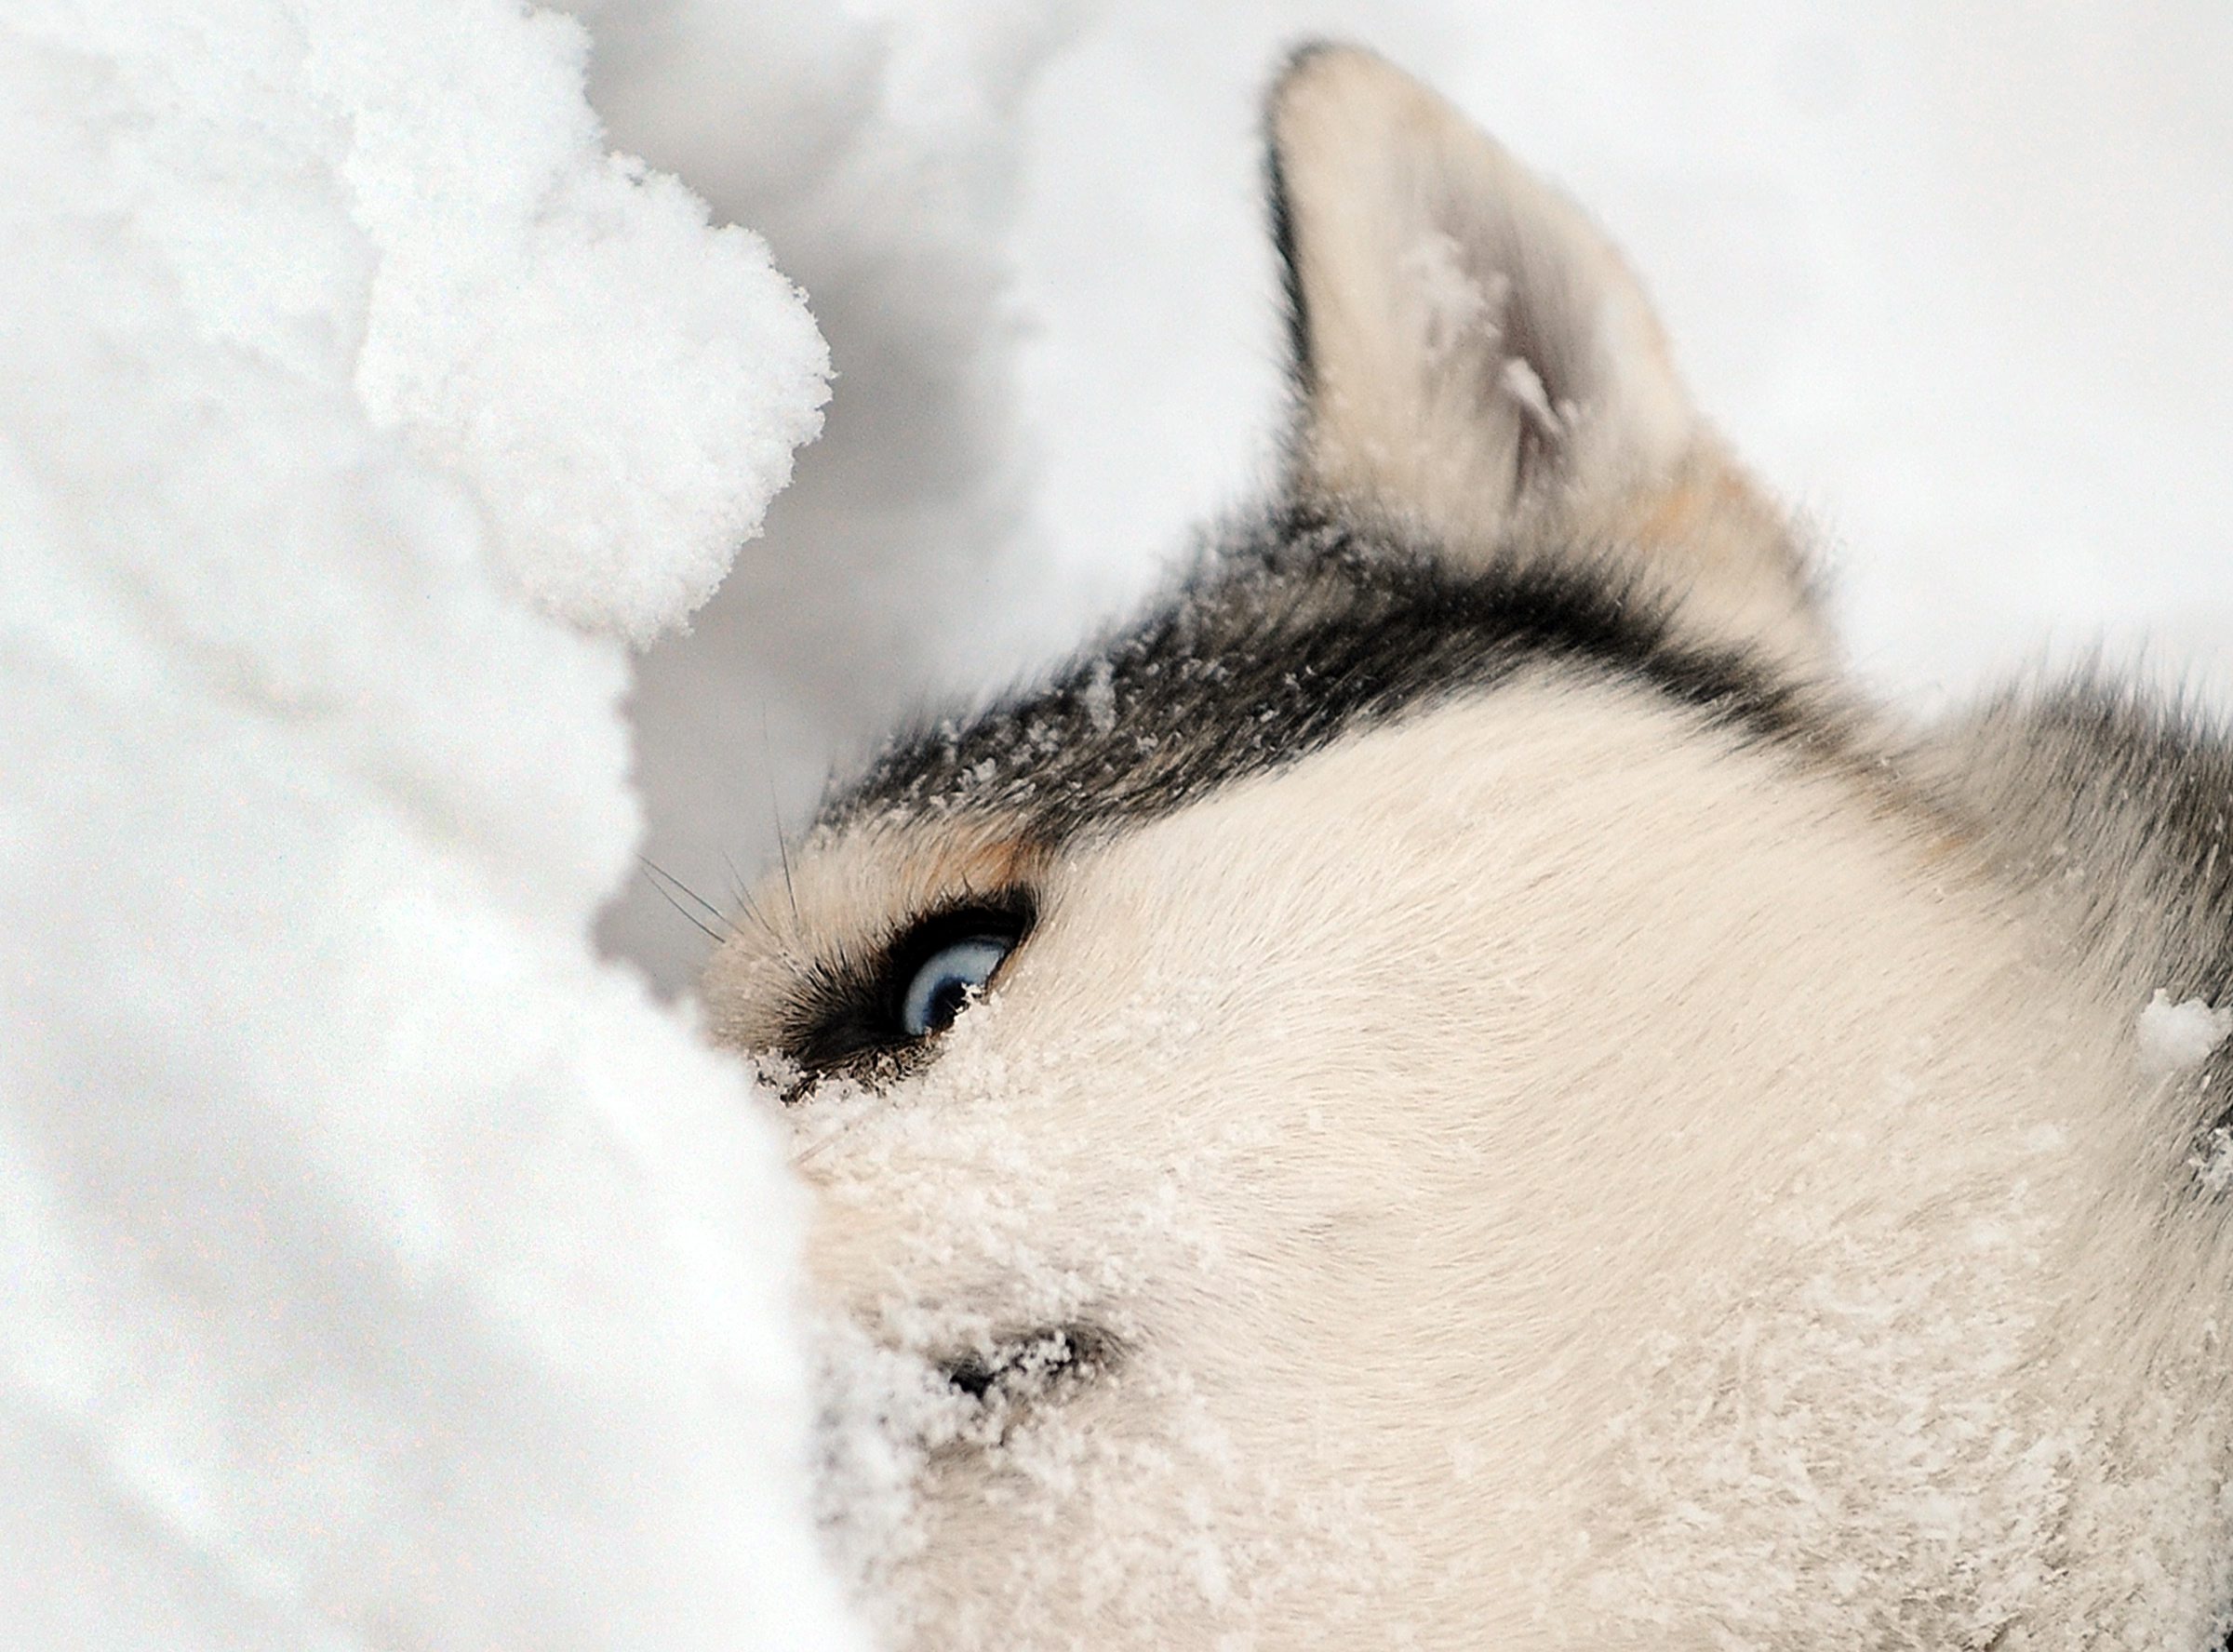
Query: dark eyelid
(932, 933)
(847, 1018)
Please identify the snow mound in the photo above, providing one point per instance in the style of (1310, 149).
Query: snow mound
(380, 1270)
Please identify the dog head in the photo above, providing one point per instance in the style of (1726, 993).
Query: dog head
(1432, 1092)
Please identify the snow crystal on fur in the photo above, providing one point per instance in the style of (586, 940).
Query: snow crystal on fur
(2178, 1037)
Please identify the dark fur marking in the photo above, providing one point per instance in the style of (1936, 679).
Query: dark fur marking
(1307, 629)
(1301, 375)
(1030, 1362)
(1017, 1374)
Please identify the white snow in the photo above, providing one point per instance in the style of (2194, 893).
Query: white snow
(380, 1269)
(2213, 1167)
(1519, 380)
(1453, 304)
(2180, 1037)
(551, 323)
(1101, 696)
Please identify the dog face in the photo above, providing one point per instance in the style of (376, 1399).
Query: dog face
(1444, 1090)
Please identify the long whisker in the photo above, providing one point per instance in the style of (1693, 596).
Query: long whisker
(742, 895)
(775, 811)
(782, 851)
(697, 899)
(656, 874)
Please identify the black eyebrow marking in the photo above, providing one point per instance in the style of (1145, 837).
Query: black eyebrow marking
(1305, 628)
(844, 1017)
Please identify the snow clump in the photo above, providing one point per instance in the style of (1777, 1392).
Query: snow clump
(622, 389)
(2179, 1037)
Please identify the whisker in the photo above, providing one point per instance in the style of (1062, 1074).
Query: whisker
(745, 903)
(654, 875)
(828, 1138)
(775, 812)
(704, 905)
(782, 850)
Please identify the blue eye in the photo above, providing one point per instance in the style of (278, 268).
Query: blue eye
(947, 980)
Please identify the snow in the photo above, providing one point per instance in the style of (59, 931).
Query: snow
(2213, 1167)
(1101, 696)
(1519, 380)
(552, 324)
(380, 1268)
(883, 163)
(2180, 1037)
(1455, 304)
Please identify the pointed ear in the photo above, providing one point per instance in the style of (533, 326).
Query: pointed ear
(1474, 360)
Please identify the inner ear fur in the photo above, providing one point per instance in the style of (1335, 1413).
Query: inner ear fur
(1476, 362)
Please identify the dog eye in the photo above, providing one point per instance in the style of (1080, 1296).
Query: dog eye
(872, 1015)
(946, 982)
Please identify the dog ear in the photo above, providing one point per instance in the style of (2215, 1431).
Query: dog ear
(1474, 360)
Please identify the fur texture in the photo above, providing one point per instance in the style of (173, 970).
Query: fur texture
(1516, 1112)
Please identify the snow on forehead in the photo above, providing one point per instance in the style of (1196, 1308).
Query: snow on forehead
(1302, 630)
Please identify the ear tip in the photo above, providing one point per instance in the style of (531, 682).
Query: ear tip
(1311, 49)
(1311, 64)
(1334, 101)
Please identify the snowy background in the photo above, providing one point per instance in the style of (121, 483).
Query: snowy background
(378, 1267)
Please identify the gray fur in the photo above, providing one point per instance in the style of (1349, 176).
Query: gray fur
(2111, 805)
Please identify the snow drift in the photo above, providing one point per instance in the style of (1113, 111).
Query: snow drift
(380, 1269)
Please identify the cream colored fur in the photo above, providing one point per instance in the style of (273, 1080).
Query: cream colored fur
(1558, 1175)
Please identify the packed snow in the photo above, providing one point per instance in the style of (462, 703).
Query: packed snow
(381, 1268)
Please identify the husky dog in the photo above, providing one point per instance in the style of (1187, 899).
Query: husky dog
(1454, 1088)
